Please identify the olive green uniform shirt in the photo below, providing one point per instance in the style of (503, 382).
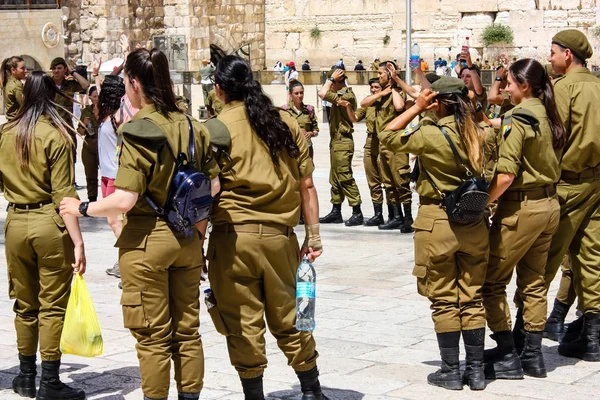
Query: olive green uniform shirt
(369, 114)
(528, 153)
(214, 102)
(577, 96)
(88, 112)
(13, 97)
(482, 98)
(435, 154)
(253, 189)
(146, 165)
(69, 88)
(385, 112)
(50, 172)
(305, 119)
(339, 123)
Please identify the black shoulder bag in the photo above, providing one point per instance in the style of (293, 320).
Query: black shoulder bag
(469, 200)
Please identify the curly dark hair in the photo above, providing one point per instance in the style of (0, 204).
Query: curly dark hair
(109, 100)
(234, 77)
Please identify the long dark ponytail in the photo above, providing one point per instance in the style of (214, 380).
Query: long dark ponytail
(151, 69)
(5, 69)
(531, 71)
(234, 77)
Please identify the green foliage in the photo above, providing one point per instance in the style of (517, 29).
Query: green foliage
(315, 33)
(386, 39)
(497, 33)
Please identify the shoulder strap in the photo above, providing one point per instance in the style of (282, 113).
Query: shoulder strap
(453, 147)
(191, 160)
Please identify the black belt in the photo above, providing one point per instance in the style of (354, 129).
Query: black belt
(590, 173)
(33, 206)
(426, 201)
(534, 194)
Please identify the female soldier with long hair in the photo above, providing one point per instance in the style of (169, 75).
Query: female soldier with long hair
(160, 268)
(89, 153)
(253, 252)
(525, 220)
(305, 114)
(42, 249)
(12, 72)
(450, 257)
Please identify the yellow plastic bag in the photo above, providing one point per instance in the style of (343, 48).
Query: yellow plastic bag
(81, 333)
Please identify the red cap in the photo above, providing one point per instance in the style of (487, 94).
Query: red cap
(292, 64)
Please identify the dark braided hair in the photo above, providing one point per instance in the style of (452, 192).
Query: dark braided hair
(109, 100)
(234, 77)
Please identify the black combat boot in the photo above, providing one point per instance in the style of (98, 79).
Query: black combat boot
(532, 359)
(408, 219)
(573, 330)
(51, 388)
(357, 217)
(390, 208)
(24, 383)
(503, 361)
(519, 331)
(396, 222)
(188, 396)
(377, 218)
(587, 345)
(253, 388)
(448, 376)
(310, 385)
(555, 324)
(474, 375)
(334, 217)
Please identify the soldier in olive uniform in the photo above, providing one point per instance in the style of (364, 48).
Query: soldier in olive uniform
(371, 153)
(471, 76)
(304, 114)
(89, 151)
(253, 252)
(12, 72)
(450, 257)
(341, 149)
(577, 92)
(395, 167)
(527, 216)
(42, 249)
(213, 104)
(160, 268)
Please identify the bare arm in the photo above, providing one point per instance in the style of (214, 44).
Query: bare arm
(119, 202)
(425, 102)
(477, 85)
(81, 80)
(72, 225)
(397, 100)
(500, 183)
(495, 97)
(312, 245)
(369, 100)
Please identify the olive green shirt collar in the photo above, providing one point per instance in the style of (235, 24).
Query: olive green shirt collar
(144, 112)
(232, 105)
(578, 70)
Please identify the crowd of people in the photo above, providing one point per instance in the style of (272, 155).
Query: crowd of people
(534, 160)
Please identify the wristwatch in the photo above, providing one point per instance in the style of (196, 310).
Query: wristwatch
(331, 79)
(83, 207)
(499, 79)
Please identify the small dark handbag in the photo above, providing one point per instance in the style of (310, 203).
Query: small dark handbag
(469, 200)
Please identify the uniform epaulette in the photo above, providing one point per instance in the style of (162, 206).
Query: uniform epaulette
(525, 116)
(219, 133)
(426, 121)
(143, 129)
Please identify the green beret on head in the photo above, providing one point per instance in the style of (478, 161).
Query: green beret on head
(576, 41)
(332, 70)
(373, 80)
(58, 61)
(448, 85)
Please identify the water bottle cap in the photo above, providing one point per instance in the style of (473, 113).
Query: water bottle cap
(467, 38)
(207, 291)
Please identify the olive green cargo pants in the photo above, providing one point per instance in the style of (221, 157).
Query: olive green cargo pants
(450, 264)
(343, 185)
(371, 163)
(39, 254)
(578, 235)
(253, 277)
(161, 306)
(520, 236)
(395, 175)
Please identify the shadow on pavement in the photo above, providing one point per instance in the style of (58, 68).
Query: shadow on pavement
(332, 394)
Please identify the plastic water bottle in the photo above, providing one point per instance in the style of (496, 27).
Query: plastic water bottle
(209, 299)
(415, 56)
(305, 296)
(465, 47)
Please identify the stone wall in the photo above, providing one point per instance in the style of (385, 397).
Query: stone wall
(356, 29)
(21, 34)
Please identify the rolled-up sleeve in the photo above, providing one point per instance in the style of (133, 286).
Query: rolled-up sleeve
(134, 168)
(511, 150)
(204, 153)
(406, 141)
(62, 171)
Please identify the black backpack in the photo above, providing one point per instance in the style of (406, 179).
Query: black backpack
(468, 202)
(189, 200)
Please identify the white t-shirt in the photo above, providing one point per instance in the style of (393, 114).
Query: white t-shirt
(107, 150)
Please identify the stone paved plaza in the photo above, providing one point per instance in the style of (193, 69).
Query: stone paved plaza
(374, 332)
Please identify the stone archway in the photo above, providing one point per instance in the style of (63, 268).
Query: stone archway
(31, 63)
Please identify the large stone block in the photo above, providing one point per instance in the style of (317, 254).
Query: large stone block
(582, 18)
(469, 6)
(476, 21)
(516, 5)
(555, 18)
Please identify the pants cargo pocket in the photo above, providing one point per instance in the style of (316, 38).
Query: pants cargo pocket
(134, 316)
(420, 272)
(217, 320)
